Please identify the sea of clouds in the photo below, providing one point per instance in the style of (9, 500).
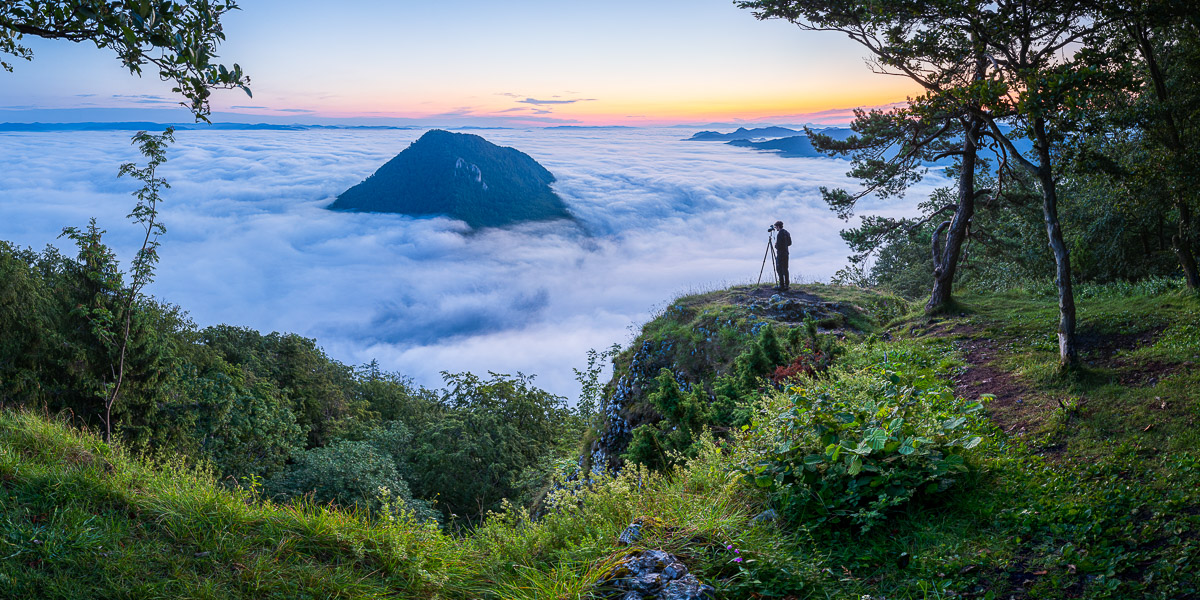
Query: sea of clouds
(250, 243)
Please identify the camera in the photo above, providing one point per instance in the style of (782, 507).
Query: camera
(770, 229)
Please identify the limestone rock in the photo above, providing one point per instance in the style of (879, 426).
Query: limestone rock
(655, 575)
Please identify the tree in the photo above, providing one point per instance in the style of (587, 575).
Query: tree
(1033, 72)
(1044, 73)
(891, 147)
(112, 328)
(496, 440)
(1159, 44)
(178, 38)
(320, 391)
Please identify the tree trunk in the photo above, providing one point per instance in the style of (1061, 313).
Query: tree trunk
(1068, 353)
(1182, 244)
(945, 260)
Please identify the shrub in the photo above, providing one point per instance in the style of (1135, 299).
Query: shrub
(348, 473)
(685, 415)
(864, 444)
(814, 353)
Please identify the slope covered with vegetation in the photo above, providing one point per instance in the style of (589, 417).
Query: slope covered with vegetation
(1077, 487)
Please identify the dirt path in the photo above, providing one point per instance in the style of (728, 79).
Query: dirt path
(1016, 408)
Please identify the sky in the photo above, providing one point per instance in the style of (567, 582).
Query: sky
(464, 62)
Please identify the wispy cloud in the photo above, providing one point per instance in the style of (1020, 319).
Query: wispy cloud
(537, 102)
(144, 97)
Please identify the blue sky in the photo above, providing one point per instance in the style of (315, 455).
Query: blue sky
(468, 61)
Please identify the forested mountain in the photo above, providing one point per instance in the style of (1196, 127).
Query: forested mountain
(792, 146)
(742, 134)
(462, 176)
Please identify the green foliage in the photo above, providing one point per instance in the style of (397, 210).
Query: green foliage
(593, 404)
(242, 430)
(499, 438)
(1106, 514)
(391, 397)
(685, 414)
(861, 445)
(720, 358)
(178, 38)
(318, 390)
(110, 311)
(248, 403)
(353, 473)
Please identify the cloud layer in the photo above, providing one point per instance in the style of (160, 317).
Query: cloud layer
(250, 243)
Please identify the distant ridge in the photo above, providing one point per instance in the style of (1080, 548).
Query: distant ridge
(588, 127)
(460, 175)
(743, 134)
(796, 146)
(793, 146)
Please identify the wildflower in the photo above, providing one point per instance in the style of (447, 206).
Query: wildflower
(729, 547)
(738, 559)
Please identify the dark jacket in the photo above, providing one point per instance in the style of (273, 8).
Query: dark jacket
(782, 240)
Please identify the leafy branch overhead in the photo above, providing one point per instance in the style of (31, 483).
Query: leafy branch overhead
(178, 38)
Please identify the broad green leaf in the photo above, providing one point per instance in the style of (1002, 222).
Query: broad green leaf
(876, 438)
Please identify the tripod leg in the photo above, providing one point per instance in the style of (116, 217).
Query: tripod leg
(774, 264)
(764, 264)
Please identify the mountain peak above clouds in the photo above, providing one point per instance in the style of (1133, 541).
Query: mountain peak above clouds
(459, 175)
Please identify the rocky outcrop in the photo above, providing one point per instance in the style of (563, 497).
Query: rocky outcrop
(654, 575)
(704, 353)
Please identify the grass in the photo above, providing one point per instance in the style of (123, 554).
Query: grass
(1098, 498)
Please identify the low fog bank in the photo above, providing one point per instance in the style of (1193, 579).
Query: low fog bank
(250, 243)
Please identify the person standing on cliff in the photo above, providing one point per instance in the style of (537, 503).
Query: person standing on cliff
(783, 239)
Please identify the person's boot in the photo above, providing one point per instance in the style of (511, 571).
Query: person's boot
(784, 286)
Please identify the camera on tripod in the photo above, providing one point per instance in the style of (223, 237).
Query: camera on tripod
(771, 229)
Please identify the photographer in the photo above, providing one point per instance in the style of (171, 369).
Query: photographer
(782, 240)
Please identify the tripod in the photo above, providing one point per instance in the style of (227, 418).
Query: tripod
(770, 252)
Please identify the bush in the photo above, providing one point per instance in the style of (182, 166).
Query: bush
(348, 473)
(685, 414)
(864, 444)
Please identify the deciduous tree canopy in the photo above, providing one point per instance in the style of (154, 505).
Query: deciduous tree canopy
(179, 39)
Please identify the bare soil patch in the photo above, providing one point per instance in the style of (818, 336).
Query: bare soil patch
(1015, 409)
(1108, 351)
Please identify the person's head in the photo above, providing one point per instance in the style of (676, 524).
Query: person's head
(778, 225)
